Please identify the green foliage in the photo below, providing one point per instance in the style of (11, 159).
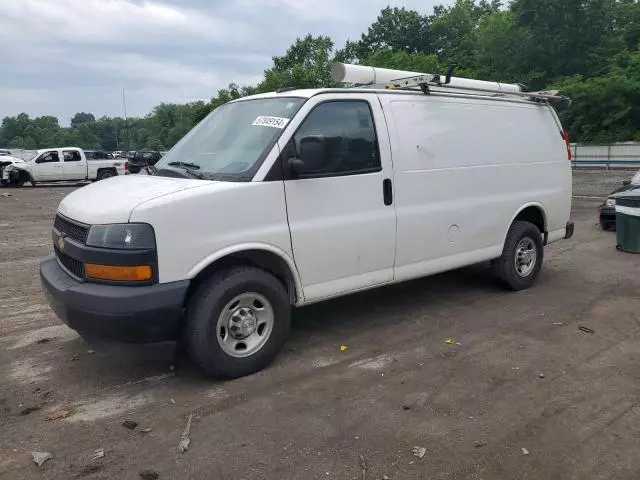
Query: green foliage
(454, 31)
(401, 60)
(605, 108)
(589, 49)
(307, 64)
(395, 29)
(82, 117)
(154, 143)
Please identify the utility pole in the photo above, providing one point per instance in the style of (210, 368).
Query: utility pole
(126, 123)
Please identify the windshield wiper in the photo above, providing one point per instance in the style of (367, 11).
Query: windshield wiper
(191, 166)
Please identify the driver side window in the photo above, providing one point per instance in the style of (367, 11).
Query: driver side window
(48, 157)
(349, 134)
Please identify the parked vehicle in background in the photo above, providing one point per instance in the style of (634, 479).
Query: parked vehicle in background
(61, 164)
(143, 159)
(608, 207)
(6, 161)
(286, 199)
(117, 154)
(97, 155)
(5, 153)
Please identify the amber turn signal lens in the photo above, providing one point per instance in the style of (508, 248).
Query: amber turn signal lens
(118, 273)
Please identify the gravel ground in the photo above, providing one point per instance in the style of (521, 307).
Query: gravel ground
(519, 377)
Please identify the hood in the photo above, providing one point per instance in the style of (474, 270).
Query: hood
(624, 188)
(112, 200)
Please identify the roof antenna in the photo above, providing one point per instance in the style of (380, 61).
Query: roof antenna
(449, 73)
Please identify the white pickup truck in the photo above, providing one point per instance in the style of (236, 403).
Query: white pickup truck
(60, 165)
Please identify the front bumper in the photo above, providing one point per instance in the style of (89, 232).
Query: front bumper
(135, 314)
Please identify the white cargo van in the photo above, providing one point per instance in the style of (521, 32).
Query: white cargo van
(294, 197)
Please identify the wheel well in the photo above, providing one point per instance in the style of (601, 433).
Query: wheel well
(262, 259)
(21, 175)
(106, 169)
(533, 215)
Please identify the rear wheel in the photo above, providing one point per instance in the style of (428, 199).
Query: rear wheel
(106, 174)
(521, 258)
(237, 322)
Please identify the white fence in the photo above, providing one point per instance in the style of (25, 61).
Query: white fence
(618, 155)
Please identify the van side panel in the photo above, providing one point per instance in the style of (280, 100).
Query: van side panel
(463, 168)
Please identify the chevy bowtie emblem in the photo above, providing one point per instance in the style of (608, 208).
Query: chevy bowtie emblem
(61, 243)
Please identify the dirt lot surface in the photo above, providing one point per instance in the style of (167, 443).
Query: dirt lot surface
(519, 374)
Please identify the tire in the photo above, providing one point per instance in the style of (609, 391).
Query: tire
(522, 237)
(214, 310)
(605, 225)
(105, 174)
(16, 181)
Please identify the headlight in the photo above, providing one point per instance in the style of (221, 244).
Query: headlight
(611, 202)
(122, 236)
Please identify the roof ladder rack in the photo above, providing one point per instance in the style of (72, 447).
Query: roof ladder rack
(425, 81)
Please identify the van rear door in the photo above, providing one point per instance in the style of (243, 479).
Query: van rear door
(341, 216)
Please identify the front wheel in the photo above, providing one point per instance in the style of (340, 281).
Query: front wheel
(605, 225)
(237, 322)
(521, 258)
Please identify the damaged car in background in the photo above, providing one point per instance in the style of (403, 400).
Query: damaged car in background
(7, 162)
(61, 165)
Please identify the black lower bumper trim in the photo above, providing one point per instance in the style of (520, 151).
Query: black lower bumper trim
(137, 314)
(569, 230)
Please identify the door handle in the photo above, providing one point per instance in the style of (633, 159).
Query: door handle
(387, 191)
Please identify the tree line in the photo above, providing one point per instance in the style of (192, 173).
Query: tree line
(587, 49)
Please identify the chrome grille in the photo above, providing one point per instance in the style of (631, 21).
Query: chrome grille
(73, 230)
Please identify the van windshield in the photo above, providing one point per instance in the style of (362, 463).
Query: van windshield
(231, 142)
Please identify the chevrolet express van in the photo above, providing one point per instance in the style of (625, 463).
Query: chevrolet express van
(284, 199)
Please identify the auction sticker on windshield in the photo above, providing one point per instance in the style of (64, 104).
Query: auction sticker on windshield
(276, 122)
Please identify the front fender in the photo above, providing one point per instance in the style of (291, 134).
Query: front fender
(21, 168)
(225, 252)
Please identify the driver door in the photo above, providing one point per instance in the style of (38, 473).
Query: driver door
(48, 167)
(341, 217)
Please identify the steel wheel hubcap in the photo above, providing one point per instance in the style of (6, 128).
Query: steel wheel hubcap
(526, 256)
(245, 324)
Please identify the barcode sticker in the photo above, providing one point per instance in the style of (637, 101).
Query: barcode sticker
(275, 122)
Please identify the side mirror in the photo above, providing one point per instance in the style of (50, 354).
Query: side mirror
(626, 182)
(313, 154)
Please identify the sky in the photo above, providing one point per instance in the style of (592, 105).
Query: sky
(60, 57)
